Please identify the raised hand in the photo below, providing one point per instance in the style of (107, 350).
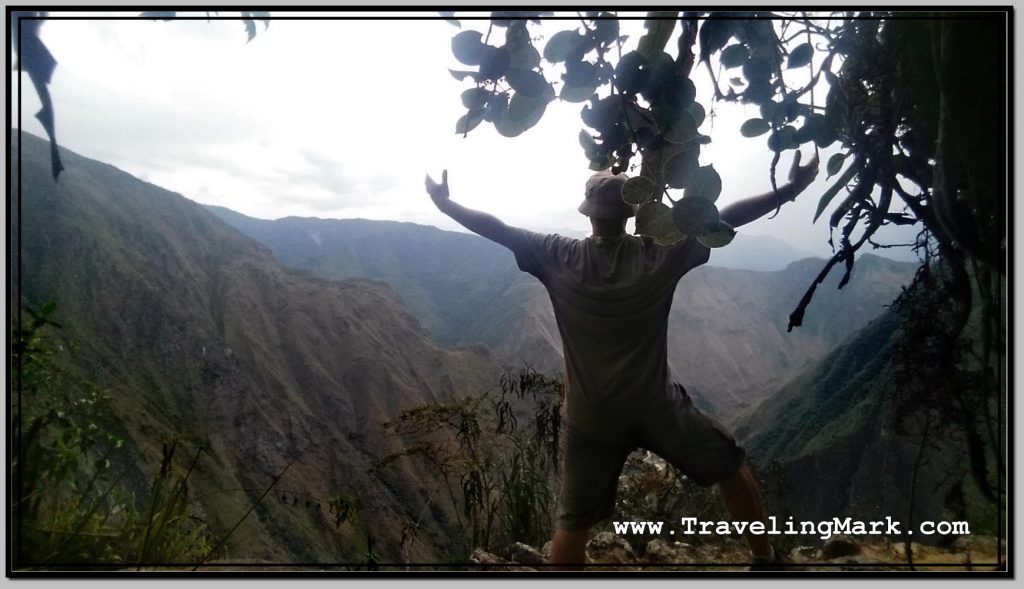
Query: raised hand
(800, 177)
(438, 192)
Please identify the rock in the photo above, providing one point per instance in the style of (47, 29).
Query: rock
(608, 548)
(804, 553)
(525, 554)
(838, 546)
(481, 556)
(659, 552)
(546, 550)
(662, 552)
(984, 545)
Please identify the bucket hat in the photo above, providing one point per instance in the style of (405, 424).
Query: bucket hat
(603, 197)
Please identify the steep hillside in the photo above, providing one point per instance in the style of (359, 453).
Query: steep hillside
(447, 279)
(198, 332)
(727, 332)
(831, 432)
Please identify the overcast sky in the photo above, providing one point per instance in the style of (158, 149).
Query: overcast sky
(342, 119)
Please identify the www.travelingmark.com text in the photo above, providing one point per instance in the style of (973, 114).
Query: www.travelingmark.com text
(773, 527)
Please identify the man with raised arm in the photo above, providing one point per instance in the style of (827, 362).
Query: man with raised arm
(611, 294)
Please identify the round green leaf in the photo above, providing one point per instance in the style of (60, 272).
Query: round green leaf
(508, 126)
(615, 136)
(679, 93)
(754, 127)
(697, 113)
(497, 106)
(475, 98)
(714, 34)
(526, 82)
(758, 92)
(601, 162)
(638, 190)
(681, 168)
(783, 139)
(790, 109)
(707, 184)
(495, 62)
(658, 66)
(663, 73)
(461, 75)
(768, 110)
(576, 93)
(757, 69)
(835, 163)
(683, 130)
(527, 110)
(695, 216)
(606, 30)
(803, 134)
(655, 219)
(673, 104)
(734, 55)
(630, 73)
(587, 142)
(469, 121)
(721, 236)
(467, 47)
(652, 164)
(602, 114)
(825, 133)
(800, 56)
(524, 57)
(581, 73)
(560, 44)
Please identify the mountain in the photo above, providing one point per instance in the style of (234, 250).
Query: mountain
(423, 264)
(830, 442)
(757, 252)
(728, 338)
(727, 331)
(200, 334)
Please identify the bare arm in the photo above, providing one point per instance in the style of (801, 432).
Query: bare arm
(483, 224)
(753, 208)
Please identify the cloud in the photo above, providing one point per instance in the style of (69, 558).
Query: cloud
(329, 174)
(381, 183)
(326, 172)
(340, 118)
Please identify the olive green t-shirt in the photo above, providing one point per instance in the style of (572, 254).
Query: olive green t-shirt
(611, 297)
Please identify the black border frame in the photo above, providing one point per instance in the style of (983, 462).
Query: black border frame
(423, 570)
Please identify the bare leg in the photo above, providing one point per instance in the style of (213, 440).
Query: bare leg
(742, 499)
(569, 548)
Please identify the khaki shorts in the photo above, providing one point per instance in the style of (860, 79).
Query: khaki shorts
(680, 434)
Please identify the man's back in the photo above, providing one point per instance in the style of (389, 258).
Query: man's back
(611, 297)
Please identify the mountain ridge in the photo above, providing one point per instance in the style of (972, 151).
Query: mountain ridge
(831, 437)
(723, 320)
(199, 333)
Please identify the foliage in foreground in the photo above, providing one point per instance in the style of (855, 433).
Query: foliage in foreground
(70, 505)
(915, 101)
(497, 454)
